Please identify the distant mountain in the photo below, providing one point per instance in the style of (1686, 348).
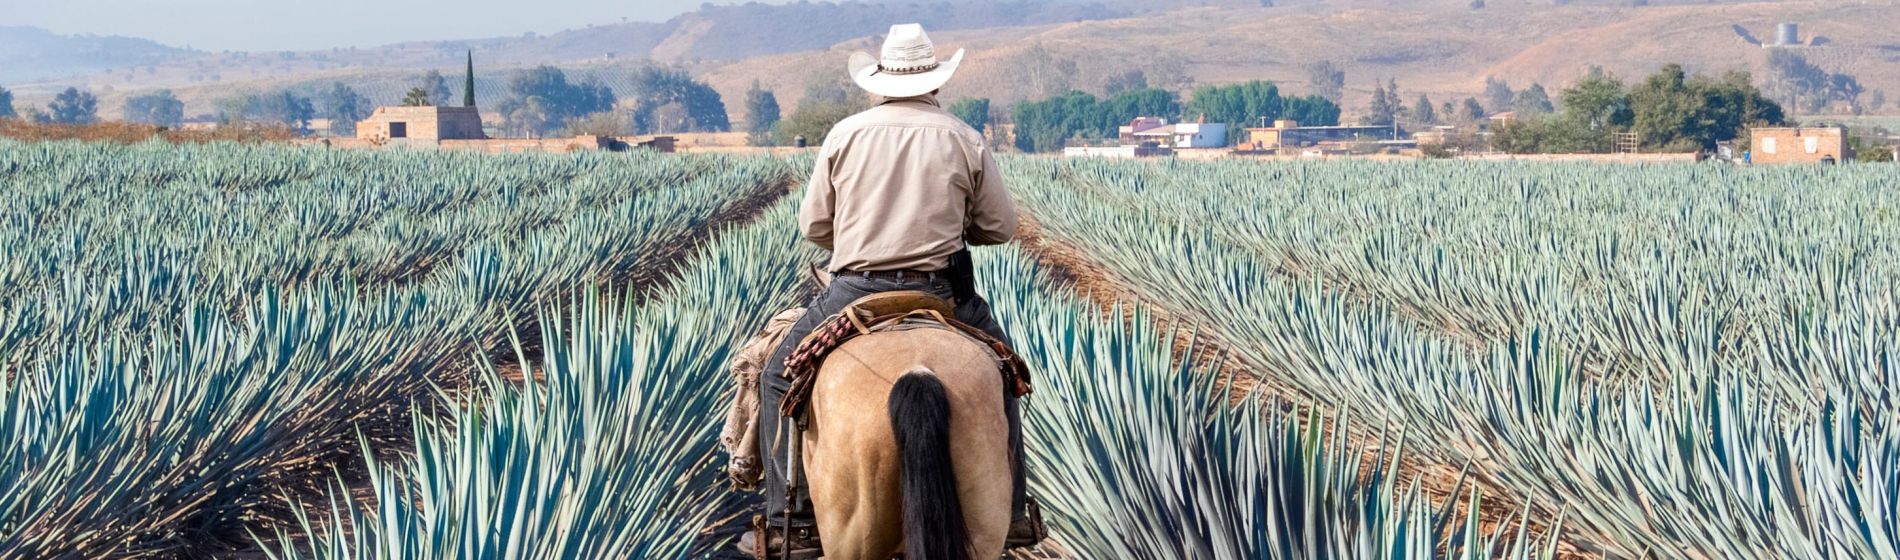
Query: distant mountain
(31, 53)
(1022, 49)
(738, 31)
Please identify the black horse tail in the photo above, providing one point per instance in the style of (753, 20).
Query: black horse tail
(933, 517)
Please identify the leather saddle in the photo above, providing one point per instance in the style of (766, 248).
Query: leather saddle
(885, 304)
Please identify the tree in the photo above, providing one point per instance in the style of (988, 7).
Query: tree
(1875, 101)
(1675, 112)
(1533, 101)
(1598, 102)
(344, 107)
(6, 105)
(157, 108)
(1311, 110)
(814, 119)
(974, 111)
(283, 108)
(73, 107)
(1326, 79)
(1126, 106)
(1384, 108)
(468, 82)
(1125, 81)
(762, 113)
(1238, 105)
(1846, 90)
(1498, 94)
(1045, 73)
(541, 101)
(1448, 111)
(1047, 125)
(1472, 111)
(830, 87)
(1795, 82)
(1423, 112)
(670, 100)
(417, 97)
(437, 88)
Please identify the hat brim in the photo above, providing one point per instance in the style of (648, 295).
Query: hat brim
(864, 71)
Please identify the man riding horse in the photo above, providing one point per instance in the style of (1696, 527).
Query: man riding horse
(897, 194)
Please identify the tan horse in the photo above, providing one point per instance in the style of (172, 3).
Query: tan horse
(908, 449)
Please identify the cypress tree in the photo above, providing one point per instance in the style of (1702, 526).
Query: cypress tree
(468, 83)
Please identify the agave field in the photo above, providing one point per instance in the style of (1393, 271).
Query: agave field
(265, 351)
(1686, 361)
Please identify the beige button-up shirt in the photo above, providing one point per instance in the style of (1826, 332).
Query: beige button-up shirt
(903, 186)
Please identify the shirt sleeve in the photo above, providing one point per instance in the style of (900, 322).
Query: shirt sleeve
(992, 212)
(815, 212)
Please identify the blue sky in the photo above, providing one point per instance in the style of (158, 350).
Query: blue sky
(269, 25)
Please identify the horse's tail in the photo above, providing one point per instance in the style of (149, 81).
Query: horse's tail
(933, 517)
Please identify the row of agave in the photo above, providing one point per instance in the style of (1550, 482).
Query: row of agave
(1436, 296)
(165, 383)
(1138, 452)
(608, 457)
(1639, 273)
(108, 239)
(603, 451)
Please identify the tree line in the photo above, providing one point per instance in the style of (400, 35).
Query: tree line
(1670, 110)
(1049, 124)
(539, 101)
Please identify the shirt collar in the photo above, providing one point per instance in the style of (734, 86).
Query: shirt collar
(927, 99)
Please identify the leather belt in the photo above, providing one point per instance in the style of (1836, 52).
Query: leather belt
(897, 275)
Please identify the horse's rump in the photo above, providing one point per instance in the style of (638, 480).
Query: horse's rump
(855, 465)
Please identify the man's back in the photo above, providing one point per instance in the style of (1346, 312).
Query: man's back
(903, 186)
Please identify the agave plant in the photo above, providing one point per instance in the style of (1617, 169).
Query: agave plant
(602, 450)
(1666, 350)
(191, 333)
(1139, 453)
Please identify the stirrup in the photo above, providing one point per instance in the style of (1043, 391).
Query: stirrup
(761, 542)
(1028, 531)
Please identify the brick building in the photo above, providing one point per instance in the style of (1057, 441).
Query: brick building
(422, 123)
(1799, 145)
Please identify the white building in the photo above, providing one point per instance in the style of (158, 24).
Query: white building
(1186, 135)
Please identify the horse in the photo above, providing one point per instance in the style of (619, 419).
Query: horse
(907, 448)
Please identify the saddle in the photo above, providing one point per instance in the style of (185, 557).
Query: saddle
(881, 312)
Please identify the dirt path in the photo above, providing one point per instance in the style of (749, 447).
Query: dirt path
(1072, 266)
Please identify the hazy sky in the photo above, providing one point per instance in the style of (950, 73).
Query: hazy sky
(267, 25)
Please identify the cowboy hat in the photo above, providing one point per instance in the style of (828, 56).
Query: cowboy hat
(907, 67)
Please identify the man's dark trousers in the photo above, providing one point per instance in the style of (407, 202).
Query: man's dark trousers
(845, 289)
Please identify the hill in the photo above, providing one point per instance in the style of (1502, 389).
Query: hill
(1443, 48)
(31, 53)
(1021, 49)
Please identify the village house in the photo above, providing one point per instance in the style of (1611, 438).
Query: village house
(1154, 137)
(1823, 144)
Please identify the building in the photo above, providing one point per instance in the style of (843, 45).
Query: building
(1157, 131)
(422, 123)
(1825, 144)
(1142, 124)
(1185, 136)
(1286, 136)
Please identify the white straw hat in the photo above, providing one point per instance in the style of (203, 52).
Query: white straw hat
(908, 66)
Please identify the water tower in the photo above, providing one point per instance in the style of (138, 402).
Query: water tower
(1788, 34)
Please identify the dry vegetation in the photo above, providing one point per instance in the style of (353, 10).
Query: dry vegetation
(130, 133)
